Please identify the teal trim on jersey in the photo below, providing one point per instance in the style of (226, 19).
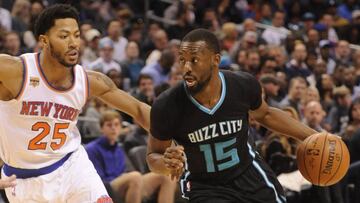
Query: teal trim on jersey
(218, 104)
(279, 198)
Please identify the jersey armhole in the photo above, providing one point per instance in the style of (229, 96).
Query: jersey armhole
(24, 79)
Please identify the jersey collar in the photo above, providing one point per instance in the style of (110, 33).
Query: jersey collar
(218, 104)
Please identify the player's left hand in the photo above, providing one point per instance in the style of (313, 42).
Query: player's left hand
(174, 160)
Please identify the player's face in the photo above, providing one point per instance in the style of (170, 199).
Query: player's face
(64, 41)
(197, 64)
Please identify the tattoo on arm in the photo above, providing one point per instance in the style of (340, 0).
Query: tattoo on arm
(106, 82)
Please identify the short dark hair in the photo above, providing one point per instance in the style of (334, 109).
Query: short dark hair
(46, 19)
(144, 76)
(204, 35)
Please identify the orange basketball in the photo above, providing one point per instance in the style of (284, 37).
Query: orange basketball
(323, 159)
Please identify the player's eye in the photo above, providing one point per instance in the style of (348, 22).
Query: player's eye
(181, 60)
(195, 60)
(63, 36)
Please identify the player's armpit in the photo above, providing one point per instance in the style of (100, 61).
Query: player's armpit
(104, 88)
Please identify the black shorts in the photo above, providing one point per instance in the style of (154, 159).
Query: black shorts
(257, 184)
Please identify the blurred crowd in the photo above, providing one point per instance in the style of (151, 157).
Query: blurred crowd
(305, 53)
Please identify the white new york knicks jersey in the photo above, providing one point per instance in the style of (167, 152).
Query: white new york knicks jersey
(38, 128)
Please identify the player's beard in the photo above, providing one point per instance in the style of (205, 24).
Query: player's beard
(201, 84)
(57, 55)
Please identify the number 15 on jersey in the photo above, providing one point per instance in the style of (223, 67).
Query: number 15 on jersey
(220, 155)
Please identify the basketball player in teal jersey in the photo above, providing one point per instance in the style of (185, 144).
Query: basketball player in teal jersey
(207, 116)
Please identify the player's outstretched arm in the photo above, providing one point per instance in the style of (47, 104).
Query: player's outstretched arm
(164, 158)
(278, 121)
(8, 182)
(104, 88)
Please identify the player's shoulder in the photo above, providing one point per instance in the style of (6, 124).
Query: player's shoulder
(11, 67)
(239, 77)
(10, 62)
(170, 98)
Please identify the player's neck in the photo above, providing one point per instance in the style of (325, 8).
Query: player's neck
(211, 94)
(52, 69)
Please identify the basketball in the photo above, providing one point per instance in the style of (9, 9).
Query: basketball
(323, 159)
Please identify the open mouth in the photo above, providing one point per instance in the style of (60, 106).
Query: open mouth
(190, 81)
(73, 54)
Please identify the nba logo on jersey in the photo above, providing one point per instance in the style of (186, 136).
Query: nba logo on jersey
(34, 81)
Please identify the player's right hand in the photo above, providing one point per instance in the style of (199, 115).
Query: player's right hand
(174, 160)
(6, 182)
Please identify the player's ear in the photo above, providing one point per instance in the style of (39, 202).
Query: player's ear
(44, 41)
(217, 58)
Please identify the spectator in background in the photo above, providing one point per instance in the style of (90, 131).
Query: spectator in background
(114, 32)
(184, 19)
(265, 14)
(132, 62)
(252, 62)
(12, 44)
(354, 119)
(325, 53)
(230, 36)
(328, 21)
(210, 20)
(250, 25)
(278, 35)
(145, 89)
(280, 56)
(312, 39)
(308, 21)
(175, 77)
(105, 62)
(314, 115)
(240, 60)
(297, 66)
(90, 53)
(147, 44)
(91, 127)
(160, 41)
(297, 87)
(271, 88)
(267, 66)
(338, 115)
(160, 70)
(325, 86)
(84, 28)
(21, 16)
(115, 170)
(343, 53)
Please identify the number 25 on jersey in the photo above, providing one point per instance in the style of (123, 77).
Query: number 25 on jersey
(58, 137)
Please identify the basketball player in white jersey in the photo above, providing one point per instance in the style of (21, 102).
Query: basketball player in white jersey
(41, 95)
